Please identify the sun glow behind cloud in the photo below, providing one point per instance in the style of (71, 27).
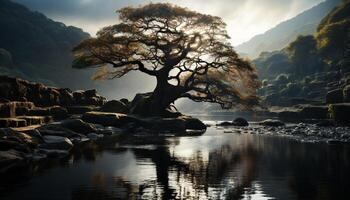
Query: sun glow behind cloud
(244, 18)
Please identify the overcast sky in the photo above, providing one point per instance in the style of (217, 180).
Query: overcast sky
(245, 18)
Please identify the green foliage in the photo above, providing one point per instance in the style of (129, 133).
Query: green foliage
(304, 55)
(271, 64)
(333, 34)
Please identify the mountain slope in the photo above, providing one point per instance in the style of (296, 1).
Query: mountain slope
(39, 48)
(285, 32)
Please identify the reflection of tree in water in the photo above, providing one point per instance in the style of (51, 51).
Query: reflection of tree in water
(119, 189)
(198, 177)
(225, 173)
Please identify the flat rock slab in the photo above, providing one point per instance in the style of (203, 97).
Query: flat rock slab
(14, 108)
(12, 122)
(109, 119)
(178, 124)
(36, 120)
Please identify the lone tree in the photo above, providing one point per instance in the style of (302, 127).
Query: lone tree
(189, 54)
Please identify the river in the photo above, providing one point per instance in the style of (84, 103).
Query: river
(215, 165)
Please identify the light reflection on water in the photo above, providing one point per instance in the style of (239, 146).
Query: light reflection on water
(215, 165)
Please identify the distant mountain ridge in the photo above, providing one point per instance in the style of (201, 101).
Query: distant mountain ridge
(278, 37)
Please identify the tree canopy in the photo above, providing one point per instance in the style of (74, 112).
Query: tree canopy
(188, 52)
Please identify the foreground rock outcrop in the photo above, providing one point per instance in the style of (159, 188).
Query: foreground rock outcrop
(39, 122)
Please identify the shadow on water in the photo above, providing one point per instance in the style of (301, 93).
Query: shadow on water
(212, 166)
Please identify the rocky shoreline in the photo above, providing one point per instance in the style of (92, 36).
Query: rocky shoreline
(304, 132)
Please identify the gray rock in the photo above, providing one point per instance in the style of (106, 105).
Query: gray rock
(56, 142)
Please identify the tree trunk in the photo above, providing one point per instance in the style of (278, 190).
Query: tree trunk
(155, 103)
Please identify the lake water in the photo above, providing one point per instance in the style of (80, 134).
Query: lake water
(215, 165)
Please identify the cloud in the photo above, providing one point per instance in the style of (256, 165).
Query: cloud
(245, 18)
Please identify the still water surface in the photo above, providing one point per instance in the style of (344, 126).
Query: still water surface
(215, 165)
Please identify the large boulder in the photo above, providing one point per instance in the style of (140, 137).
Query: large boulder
(340, 113)
(78, 125)
(334, 96)
(272, 122)
(115, 106)
(56, 142)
